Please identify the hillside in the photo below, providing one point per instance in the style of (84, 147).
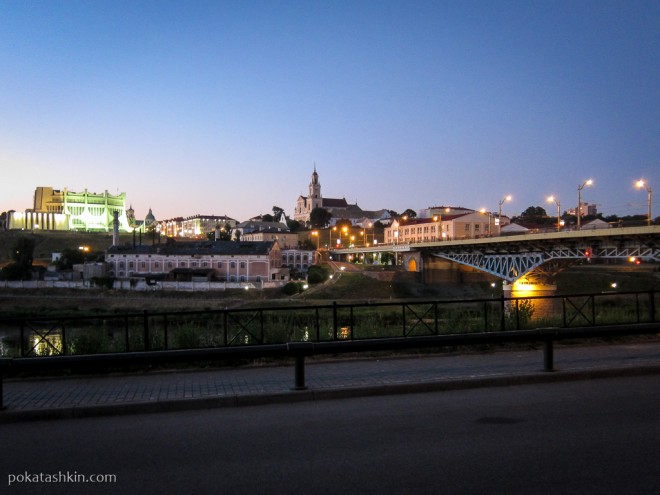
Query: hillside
(47, 242)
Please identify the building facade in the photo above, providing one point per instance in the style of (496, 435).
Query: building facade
(196, 226)
(440, 228)
(224, 261)
(55, 209)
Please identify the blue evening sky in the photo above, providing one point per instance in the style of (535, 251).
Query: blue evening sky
(224, 107)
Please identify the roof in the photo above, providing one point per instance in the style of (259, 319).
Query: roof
(334, 203)
(258, 226)
(221, 248)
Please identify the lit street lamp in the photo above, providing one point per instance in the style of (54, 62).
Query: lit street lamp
(499, 215)
(483, 211)
(318, 239)
(552, 199)
(643, 185)
(579, 208)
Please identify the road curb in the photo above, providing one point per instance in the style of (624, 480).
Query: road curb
(10, 416)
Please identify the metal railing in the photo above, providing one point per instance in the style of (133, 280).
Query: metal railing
(154, 331)
(299, 351)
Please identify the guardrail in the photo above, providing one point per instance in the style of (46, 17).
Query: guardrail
(299, 351)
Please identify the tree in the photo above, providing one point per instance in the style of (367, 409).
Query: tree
(22, 256)
(294, 225)
(278, 213)
(344, 222)
(319, 218)
(534, 211)
(409, 213)
(267, 218)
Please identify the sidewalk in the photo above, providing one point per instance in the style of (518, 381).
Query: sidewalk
(51, 398)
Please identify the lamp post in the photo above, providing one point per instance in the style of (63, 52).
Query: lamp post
(315, 233)
(579, 208)
(552, 199)
(483, 211)
(641, 184)
(499, 215)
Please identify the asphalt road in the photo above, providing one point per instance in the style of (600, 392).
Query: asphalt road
(598, 436)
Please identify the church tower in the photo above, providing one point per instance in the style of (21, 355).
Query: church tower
(315, 191)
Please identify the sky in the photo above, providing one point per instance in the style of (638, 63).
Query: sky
(225, 107)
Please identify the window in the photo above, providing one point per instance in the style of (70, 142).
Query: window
(242, 265)
(219, 264)
(232, 265)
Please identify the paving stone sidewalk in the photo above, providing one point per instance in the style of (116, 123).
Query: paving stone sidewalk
(49, 398)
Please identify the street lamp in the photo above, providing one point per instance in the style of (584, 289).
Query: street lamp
(643, 185)
(483, 211)
(330, 241)
(499, 215)
(552, 199)
(579, 208)
(318, 239)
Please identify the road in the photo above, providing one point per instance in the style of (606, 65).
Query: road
(599, 436)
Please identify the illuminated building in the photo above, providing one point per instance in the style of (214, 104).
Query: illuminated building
(56, 209)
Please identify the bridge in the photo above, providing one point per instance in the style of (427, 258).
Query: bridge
(532, 258)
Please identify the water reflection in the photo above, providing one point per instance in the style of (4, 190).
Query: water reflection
(534, 307)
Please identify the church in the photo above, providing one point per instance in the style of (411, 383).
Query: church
(338, 208)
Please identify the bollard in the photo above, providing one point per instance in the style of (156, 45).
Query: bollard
(300, 373)
(299, 350)
(548, 355)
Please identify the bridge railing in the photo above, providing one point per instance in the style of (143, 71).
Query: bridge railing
(156, 331)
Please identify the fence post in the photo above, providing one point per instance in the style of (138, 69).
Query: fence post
(147, 344)
(224, 325)
(63, 339)
(22, 343)
(652, 304)
(2, 404)
(334, 320)
(502, 320)
(165, 330)
(127, 333)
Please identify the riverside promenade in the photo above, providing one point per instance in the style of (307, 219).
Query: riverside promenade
(163, 390)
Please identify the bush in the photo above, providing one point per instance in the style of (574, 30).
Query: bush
(291, 288)
(317, 274)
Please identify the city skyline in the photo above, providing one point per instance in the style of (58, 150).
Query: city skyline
(224, 108)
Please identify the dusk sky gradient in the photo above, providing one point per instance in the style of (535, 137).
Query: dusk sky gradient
(224, 107)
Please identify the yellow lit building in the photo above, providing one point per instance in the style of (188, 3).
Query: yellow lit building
(56, 209)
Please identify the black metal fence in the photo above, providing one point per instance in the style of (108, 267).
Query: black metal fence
(154, 331)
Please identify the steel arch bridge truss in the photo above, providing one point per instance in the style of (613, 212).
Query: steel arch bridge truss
(541, 265)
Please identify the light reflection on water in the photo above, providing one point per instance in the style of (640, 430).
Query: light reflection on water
(545, 308)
